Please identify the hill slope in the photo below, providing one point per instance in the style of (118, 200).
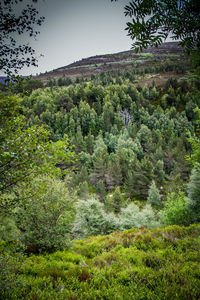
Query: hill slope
(160, 263)
(121, 60)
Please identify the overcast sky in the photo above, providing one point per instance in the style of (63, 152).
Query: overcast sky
(76, 29)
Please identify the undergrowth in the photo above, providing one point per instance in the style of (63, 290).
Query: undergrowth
(158, 263)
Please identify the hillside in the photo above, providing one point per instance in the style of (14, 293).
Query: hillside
(118, 61)
(161, 263)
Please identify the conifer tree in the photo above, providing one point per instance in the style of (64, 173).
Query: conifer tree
(193, 190)
(83, 190)
(113, 172)
(129, 184)
(142, 177)
(99, 160)
(101, 190)
(117, 200)
(159, 173)
(153, 195)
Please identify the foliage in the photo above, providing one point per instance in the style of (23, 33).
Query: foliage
(159, 263)
(193, 189)
(154, 195)
(44, 214)
(117, 200)
(91, 219)
(153, 21)
(26, 152)
(131, 216)
(15, 21)
(176, 210)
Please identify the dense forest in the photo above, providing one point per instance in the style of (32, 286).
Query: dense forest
(94, 155)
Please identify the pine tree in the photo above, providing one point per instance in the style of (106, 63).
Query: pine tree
(99, 160)
(101, 190)
(113, 172)
(83, 190)
(153, 195)
(159, 173)
(79, 142)
(193, 190)
(142, 176)
(117, 200)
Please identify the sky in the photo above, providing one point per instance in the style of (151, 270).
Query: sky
(76, 29)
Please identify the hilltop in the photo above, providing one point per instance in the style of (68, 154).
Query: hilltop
(116, 61)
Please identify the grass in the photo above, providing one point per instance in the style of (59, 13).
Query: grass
(159, 263)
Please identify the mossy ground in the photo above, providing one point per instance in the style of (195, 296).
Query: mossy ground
(159, 263)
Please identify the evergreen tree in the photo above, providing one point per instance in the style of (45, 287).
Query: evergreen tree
(159, 173)
(193, 190)
(89, 141)
(113, 172)
(101, 190)
(79, 142)
(99, 160)
(153, 195)
(129, 184)
(117, 200)
(83, 190)
(143, 176)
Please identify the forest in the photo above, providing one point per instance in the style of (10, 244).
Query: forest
(90, 156)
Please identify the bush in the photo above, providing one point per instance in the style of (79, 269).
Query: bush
(176, 210)
(92, 219)
(45, 214)
(131, 217)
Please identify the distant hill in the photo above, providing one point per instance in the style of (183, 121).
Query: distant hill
(98, 63)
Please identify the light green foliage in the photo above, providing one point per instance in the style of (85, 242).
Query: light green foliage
(8, 229)
(134, 264)
(91, 219)
(154, 195)
(176, 210)
(132, 216)
(44, 214)
(26, 152)
(193, 190)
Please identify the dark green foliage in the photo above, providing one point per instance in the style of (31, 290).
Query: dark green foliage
(148, 28)
(117, 200)
(17, 20)
(193, 190)
(101, 190)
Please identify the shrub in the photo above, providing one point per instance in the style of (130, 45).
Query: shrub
(45, 214)
(131, 217)
(92, 219)
(176, 210)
